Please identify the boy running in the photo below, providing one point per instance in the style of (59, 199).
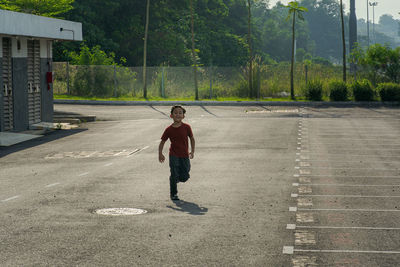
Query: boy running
(179, 163)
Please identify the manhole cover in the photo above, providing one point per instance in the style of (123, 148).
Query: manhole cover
(120, 211)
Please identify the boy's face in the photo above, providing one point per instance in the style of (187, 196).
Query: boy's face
(177, 115)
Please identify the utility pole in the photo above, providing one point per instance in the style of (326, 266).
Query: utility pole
(352, 31)
(373, 4)
(367, 23)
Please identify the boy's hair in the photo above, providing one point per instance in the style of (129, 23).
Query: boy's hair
(175, 107)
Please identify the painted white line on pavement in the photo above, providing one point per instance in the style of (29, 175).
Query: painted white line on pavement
(349, 196)
(342, 144)
(354, 185)
(346, 251)
(83, 174)
(348, 155)
(352, 161)
(344, 168)
(361, 210)
(51, 185)
(137, 151)
(10, 198)
(352, 176)
(294, 226)
(108, 164)
(358, 149)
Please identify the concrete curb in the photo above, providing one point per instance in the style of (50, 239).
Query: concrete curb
(228, 103)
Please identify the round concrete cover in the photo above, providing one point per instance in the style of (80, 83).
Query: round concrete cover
(120, 211)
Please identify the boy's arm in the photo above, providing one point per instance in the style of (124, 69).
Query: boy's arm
(161, 157)
(192, 145)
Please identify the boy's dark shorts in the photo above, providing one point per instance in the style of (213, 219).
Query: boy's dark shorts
(180, 168)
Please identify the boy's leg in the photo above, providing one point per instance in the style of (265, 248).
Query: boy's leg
(173, 179)
(184, 169)
(173, 189)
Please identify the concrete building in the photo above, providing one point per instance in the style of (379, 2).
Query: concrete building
(26, 95)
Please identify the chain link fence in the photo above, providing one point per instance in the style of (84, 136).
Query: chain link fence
(178, 82)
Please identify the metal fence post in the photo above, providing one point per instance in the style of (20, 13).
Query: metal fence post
(115, 80)
(68, 89)
(162, 83)
(211, 82)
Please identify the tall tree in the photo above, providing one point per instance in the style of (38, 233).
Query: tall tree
(196, 90)
(343, 41)
(250, 50)
(47, 8)
(145, 50)
(295, 10)
(352, 32)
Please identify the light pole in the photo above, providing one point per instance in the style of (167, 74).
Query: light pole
(373, 4)
(367, 23)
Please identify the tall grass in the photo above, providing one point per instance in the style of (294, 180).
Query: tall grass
(178, 82)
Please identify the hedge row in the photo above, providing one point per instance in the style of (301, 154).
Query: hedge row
(359, 91)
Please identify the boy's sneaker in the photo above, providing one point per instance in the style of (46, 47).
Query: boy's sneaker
(174, 197)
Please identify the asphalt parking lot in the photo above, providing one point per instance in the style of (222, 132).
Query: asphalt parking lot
(269, 186)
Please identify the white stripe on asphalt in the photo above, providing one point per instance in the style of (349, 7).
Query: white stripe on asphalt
(83, 174)
(350, 196)
(351, 176)
(361, 210)
(351, 185)
(51, 185)
(11, 198)
(108, 164)
(341, 168)
(294, 226)
(346, 251)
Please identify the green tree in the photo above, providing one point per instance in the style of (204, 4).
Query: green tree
(47, 8)
(343, 41)
(295, 10)
(145, 50)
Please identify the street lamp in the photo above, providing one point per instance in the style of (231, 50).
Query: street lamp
(373, 4)
(367, 23)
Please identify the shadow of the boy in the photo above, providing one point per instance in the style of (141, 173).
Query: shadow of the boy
(188, 207)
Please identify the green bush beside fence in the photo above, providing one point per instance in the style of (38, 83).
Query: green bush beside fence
(363, 91)
(389, 91)
(338, 91)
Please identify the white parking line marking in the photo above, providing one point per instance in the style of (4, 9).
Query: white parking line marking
(288, 250)
(349, 196)
(351, 176)
(294, 226)
(352, 161)
(10, 198)
(355, 185)
(344, 251)
(83, 174)
(362, 210)
(51, 185)
(108, 164)
(348, 154)
(343, 168)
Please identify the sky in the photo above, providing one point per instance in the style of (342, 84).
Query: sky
(391, 7)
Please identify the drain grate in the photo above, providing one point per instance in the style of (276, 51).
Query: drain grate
(120, 211)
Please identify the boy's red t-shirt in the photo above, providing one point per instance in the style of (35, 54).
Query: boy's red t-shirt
(179, 140)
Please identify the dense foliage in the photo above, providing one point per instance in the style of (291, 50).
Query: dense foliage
(220, 31)
(48, 8)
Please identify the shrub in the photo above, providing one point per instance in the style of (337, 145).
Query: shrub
(389, 91)
(314, 90)
(338, 91)
(363, 91)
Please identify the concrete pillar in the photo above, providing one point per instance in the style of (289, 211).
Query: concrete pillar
(1, 87)
(46, 61)
(19, 52)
